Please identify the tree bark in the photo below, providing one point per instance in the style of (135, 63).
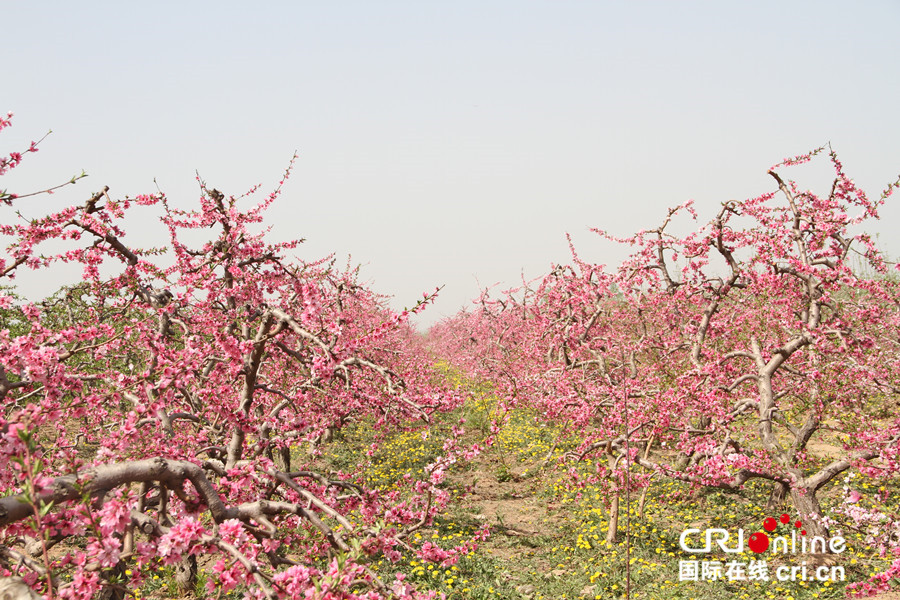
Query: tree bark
(283, 459)
(186, 574)
(777, 497)
(613, 531)
(810, 512)
(15, 588)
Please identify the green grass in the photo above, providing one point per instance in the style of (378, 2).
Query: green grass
(568, 557)
(549, 521)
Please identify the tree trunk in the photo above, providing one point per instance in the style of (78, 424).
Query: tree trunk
(15, 588)
(613, 531)
(777, 497)
(186, 574)
(283, 459)
(810, 512)
(325, 438)
(109, 592)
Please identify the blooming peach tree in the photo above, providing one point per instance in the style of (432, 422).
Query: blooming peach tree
(163, 410)
(718, 357)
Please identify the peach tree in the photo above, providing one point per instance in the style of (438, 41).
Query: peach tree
(163, 408)
(718, 357)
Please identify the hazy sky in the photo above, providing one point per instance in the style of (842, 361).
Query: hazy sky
(450, 143)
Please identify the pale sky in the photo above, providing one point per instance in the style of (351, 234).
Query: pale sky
(449, 143)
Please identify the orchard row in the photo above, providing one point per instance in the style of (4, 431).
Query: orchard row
(173, 407)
